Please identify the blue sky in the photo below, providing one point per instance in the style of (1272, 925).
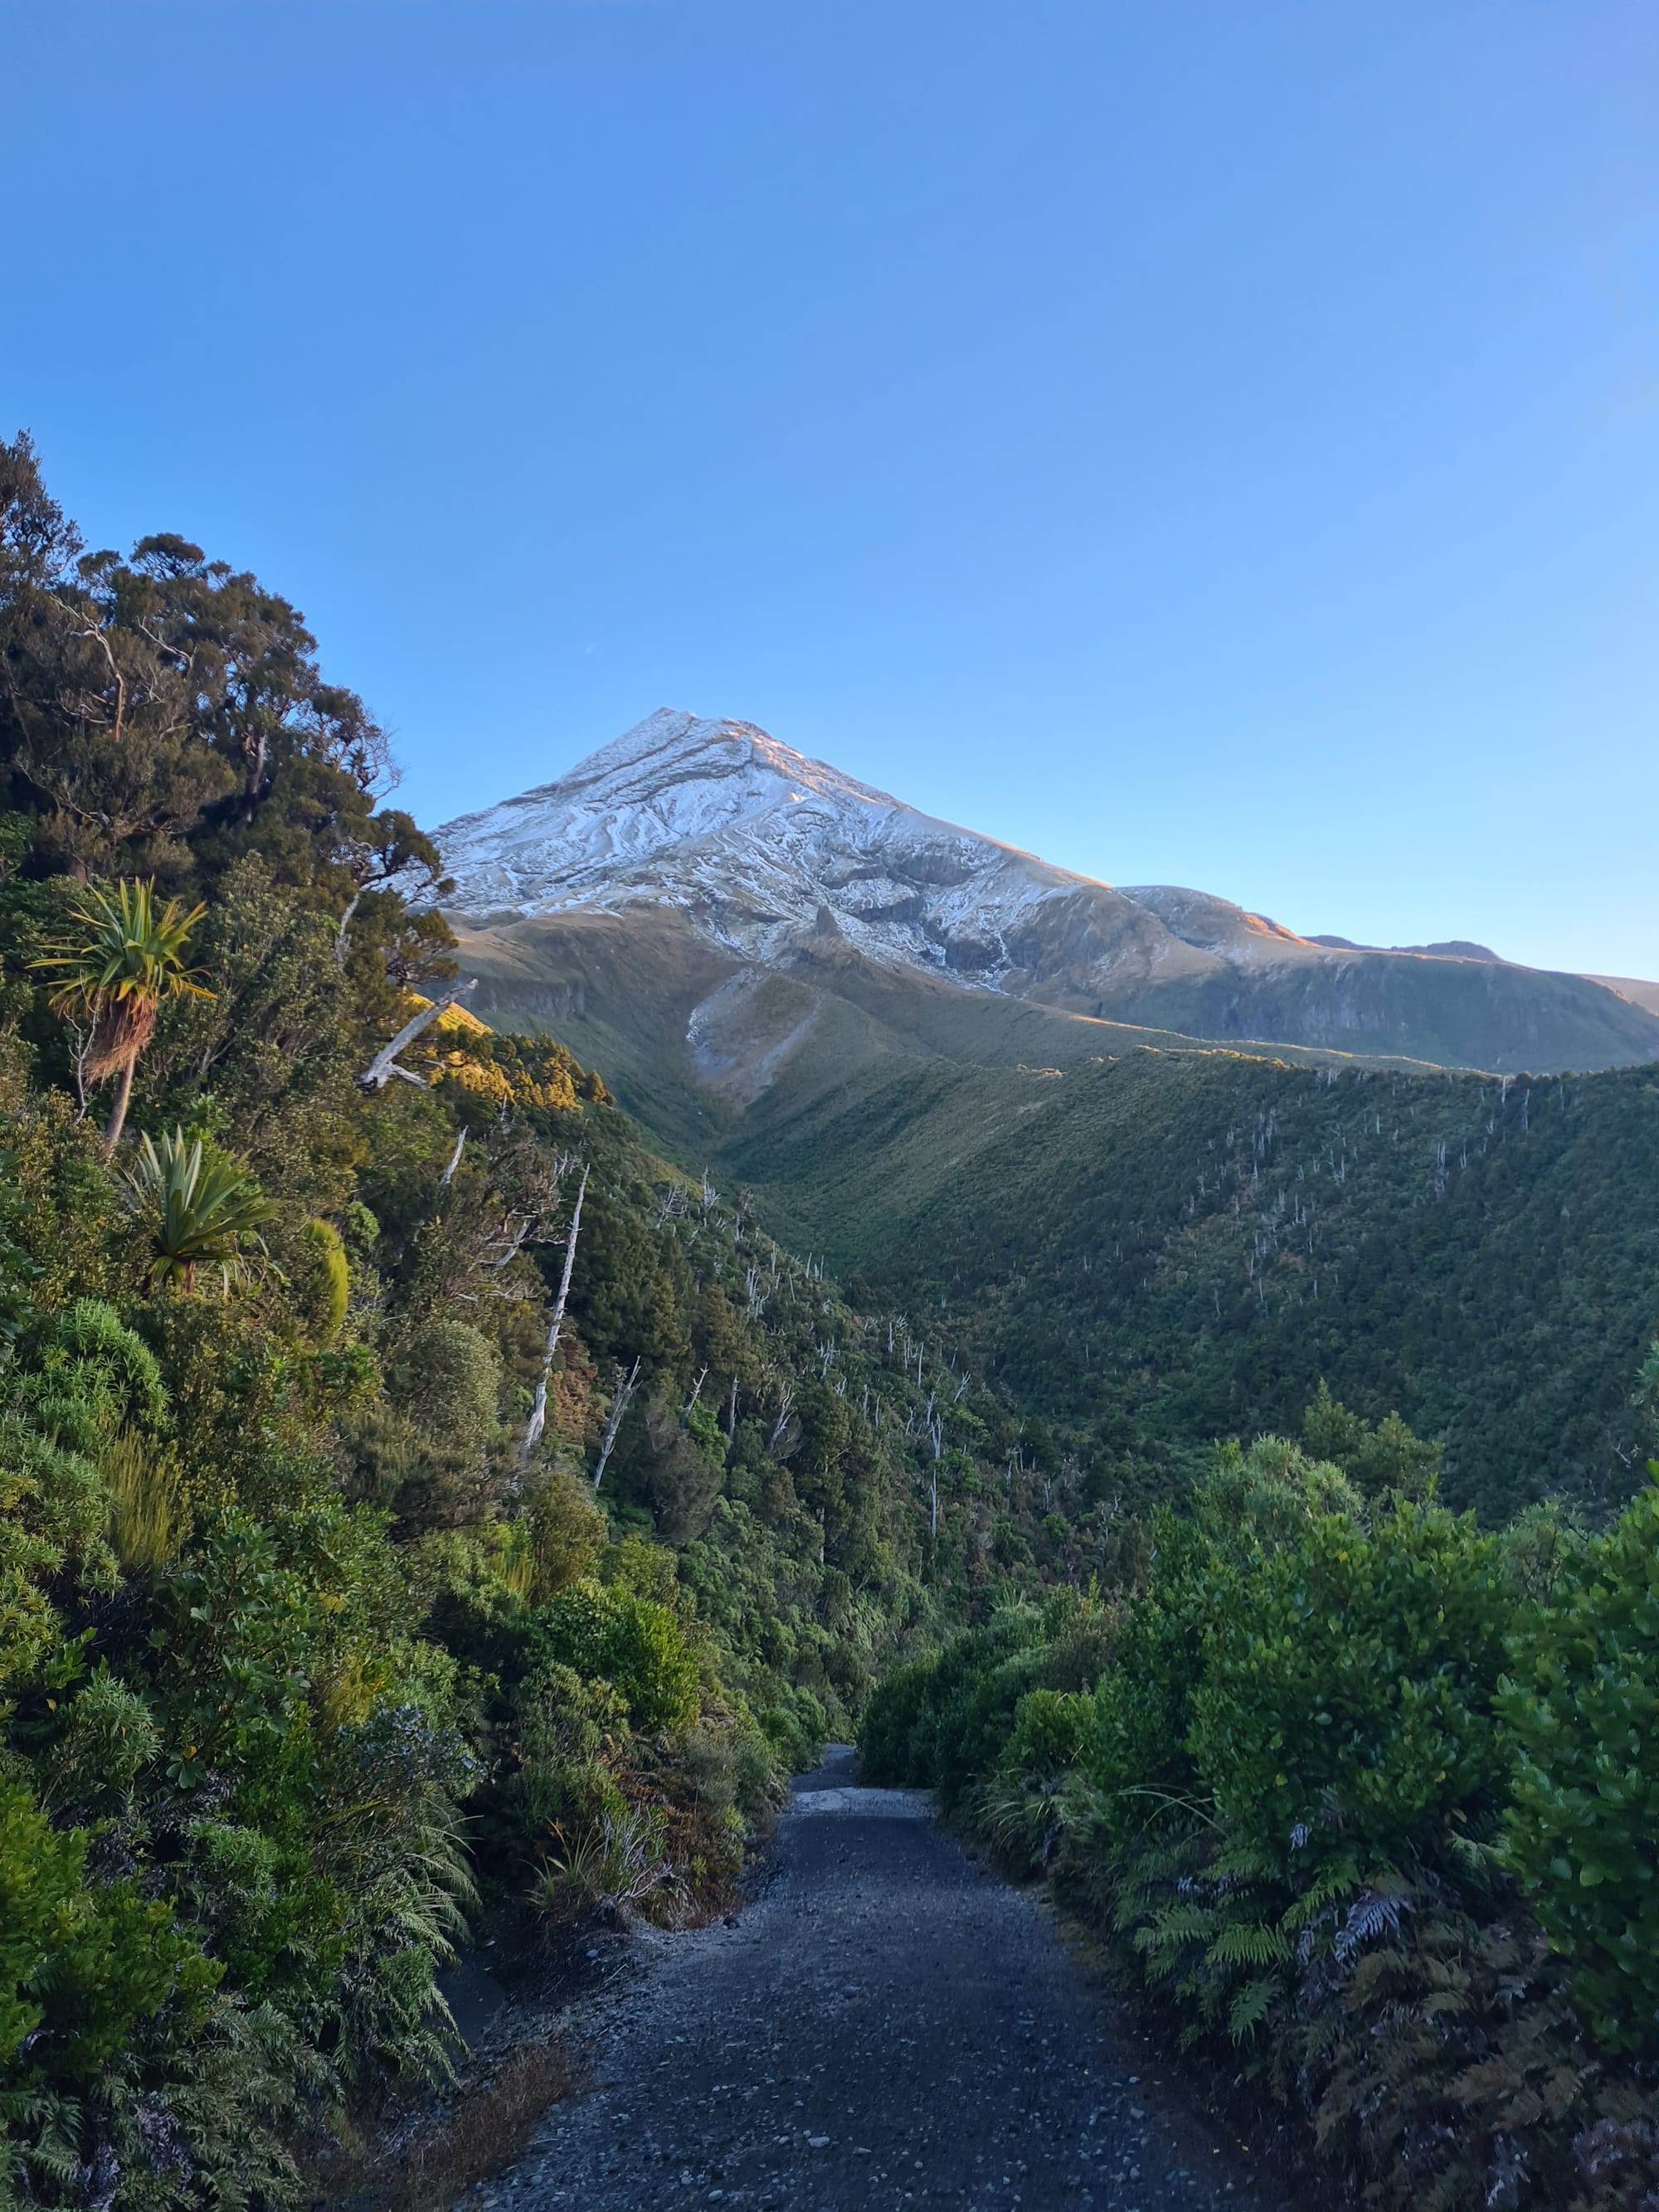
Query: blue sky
(1203, 443)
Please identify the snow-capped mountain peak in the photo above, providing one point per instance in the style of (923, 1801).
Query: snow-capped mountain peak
(758, 843)
(772, 857)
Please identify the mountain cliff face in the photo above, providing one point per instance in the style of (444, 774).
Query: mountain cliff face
(771, 858)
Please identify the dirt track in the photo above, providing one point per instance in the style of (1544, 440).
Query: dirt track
(885, 2026)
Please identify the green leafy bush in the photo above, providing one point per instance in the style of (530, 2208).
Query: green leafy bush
(606, 1634)
(1346, 1699)
(1583, 1705)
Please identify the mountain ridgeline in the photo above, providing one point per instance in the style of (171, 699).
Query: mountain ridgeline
(764, 853)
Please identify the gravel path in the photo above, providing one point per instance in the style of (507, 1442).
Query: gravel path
(885, 2026)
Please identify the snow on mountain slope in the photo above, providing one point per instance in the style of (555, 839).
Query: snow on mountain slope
(764, 848)
(769, 856)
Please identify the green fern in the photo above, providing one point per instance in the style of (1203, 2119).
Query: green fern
(1250, 1943)
(1251, 2005)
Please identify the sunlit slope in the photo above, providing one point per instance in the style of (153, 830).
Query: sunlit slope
(1142, 1229)
(716, 1054)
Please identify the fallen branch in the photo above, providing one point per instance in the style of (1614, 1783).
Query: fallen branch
(384, 1066)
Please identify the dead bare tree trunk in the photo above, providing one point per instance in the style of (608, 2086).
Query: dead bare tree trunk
(785, 1407)
(697, 1393)
(934, 1423)
(626, 1385)
(352, 904)
(384, 1066)
(533, 1435)
(448, 1175)
(731, 1413)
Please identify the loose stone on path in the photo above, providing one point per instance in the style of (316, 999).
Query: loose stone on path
(886, 2024)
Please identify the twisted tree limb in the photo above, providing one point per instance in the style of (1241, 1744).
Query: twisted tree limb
(384, 1066)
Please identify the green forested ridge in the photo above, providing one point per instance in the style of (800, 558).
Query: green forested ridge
(1164, 1241)
(1166, 1247)
(363, 1565)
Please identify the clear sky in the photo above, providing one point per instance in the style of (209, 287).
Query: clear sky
(1205, 441)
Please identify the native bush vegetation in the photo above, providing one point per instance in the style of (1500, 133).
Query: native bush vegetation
(320, 1636)
(1363, 1796)
(1162, 1247)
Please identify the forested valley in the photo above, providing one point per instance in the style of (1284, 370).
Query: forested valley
(424, 1507)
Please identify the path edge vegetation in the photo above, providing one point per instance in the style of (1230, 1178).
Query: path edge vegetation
(1359, 1797)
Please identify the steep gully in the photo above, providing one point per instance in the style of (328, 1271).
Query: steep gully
(885, 2024)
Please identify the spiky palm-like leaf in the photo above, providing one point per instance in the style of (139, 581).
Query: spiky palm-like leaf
(203, 1208)
(123, 955)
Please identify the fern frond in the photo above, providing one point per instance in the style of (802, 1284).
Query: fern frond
(1251, 2005)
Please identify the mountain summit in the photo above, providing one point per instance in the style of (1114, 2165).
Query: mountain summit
(771, 858)
(759, 844)
(764, 848)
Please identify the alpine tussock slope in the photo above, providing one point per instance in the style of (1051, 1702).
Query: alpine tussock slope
(768, 854)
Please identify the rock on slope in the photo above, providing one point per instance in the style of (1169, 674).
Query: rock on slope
(767, 853)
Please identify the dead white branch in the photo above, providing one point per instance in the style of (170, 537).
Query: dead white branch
(533, 1435)
(384, 1066)
(785, 1407)
(626, 1385)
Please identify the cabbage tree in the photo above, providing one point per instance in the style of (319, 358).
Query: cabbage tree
(203, 1208)
(122, 957)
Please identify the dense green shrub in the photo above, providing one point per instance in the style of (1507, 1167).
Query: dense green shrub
(892, 1752)
(1291, 1799)
(608, 1634)
(1135, 1751)
(1584, 1708)
(1346, 1699)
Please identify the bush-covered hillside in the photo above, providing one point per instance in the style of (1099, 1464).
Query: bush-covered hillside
(1171, 1246)
(416, 1499)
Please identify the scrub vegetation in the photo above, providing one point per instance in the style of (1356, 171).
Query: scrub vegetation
(417, 1501)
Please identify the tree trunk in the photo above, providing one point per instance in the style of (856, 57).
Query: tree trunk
(533, 1435)
(626, 1385)
(117, 1112)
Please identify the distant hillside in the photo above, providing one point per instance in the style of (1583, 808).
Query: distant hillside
(703, 1044)
(1182, 1243)
(1640, 995)
(768, 856)
(1159, 1240)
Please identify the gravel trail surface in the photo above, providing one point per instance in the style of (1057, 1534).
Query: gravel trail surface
(885, 2026)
